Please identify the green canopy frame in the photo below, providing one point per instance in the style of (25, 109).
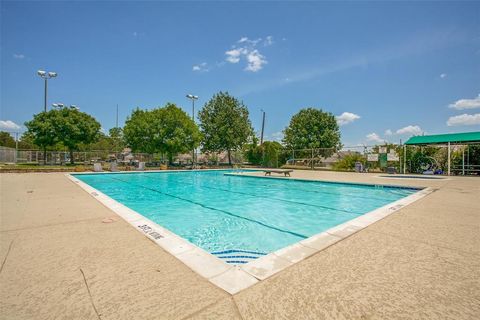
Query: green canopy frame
(442, 139)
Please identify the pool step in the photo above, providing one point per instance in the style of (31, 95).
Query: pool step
(237, 256)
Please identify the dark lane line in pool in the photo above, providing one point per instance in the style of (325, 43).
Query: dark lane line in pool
(215, 209)
(273, 198)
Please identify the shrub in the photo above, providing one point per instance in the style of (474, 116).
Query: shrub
(348, 162)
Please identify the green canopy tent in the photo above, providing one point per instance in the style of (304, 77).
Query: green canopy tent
(449, 139)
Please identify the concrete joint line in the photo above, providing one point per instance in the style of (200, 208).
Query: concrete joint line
(90, 294)
(6, 256)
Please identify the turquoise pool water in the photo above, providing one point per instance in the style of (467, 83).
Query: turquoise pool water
(239, 217)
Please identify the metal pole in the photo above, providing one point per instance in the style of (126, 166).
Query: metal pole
(16, 147)
(193, 119)
(463, 160)
(263, 126)
(449, 158)
(45, 110)
(45, 96)
(312, 160)
(404, 158)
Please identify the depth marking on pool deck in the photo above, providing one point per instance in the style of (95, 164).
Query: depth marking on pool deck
(234, 279)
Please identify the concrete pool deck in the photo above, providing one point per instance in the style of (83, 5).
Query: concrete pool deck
(59, 260)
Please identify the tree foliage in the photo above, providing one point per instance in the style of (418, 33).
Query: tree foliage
(41, 129)
(312, 128)
(269, 154)
(224, 124)
(67, 126)
(6, 140)
(167, 130)
(26, 142)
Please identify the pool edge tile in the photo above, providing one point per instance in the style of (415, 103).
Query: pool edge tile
(234, 280)
(266, 266)
(203, 262)
(320, 241)
(295, 252)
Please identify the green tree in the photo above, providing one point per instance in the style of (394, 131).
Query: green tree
(67, 126)
(26, 142)
(116, 137)
(271, 154)
(253, 153)
(41, 130)
(312, 128)
(472, 154)
(6, 140)
(167, 130)
(113, 142)
(225, 124)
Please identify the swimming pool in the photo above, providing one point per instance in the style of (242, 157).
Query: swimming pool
(241, 218)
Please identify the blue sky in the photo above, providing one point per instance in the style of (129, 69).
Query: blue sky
(392, 69)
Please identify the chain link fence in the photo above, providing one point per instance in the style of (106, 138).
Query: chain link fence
(465, 159)
(356, 158)
(36, 157)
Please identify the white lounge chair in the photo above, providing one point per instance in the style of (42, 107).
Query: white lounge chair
(97, 167)
(141, 166)
(113, 166)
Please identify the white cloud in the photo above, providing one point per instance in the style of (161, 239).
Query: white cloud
(246, 49)
(443, 75)
(255, 61)
(9, 125)
(346, 118)
(374, 138)
(463, 104)
(464, 120)
(248, 41)
(388, 132)
(276, 136)
(412, 130)
(233, 56)
(201, 67)
(268, 41)
(18, 56)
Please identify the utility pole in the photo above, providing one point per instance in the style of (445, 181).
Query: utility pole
(263, 127)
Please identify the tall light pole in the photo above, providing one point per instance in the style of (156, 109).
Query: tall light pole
(45, 76)
(193, 98)
(263, 126)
